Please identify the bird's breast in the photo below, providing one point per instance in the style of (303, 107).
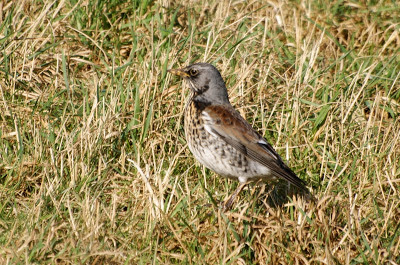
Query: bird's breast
(213, 152)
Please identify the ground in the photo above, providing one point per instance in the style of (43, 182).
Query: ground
(94, 167)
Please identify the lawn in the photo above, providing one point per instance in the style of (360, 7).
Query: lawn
(94, 166)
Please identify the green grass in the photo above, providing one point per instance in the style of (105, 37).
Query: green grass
(94, 167)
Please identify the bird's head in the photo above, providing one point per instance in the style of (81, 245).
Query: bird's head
(205, 81)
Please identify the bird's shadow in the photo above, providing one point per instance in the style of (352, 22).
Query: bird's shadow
(280, 194)
(262, 195)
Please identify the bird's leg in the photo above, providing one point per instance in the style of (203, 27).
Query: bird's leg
(227, 205)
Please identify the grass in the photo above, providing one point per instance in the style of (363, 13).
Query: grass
(94, 167)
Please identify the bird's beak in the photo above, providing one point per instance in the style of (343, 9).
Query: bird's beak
(179, 72)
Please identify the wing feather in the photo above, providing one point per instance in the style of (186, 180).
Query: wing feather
(226, 122)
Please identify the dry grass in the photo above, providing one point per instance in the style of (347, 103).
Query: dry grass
(94, 167)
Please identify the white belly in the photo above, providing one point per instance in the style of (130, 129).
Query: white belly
(225, 160)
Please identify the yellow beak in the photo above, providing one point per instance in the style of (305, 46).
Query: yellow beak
(179, 72)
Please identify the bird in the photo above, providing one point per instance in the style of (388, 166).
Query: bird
(221, 139)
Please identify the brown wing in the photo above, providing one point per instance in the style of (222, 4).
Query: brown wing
(226, 122)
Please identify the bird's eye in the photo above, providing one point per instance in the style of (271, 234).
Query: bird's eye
(193, 72)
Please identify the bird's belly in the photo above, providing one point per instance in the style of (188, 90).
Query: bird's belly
(217, 155)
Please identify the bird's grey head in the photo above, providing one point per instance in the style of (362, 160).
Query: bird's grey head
(205, 81)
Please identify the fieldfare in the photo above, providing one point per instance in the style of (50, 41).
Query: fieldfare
(221, 139)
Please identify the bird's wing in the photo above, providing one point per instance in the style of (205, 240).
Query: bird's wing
(226, 122)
